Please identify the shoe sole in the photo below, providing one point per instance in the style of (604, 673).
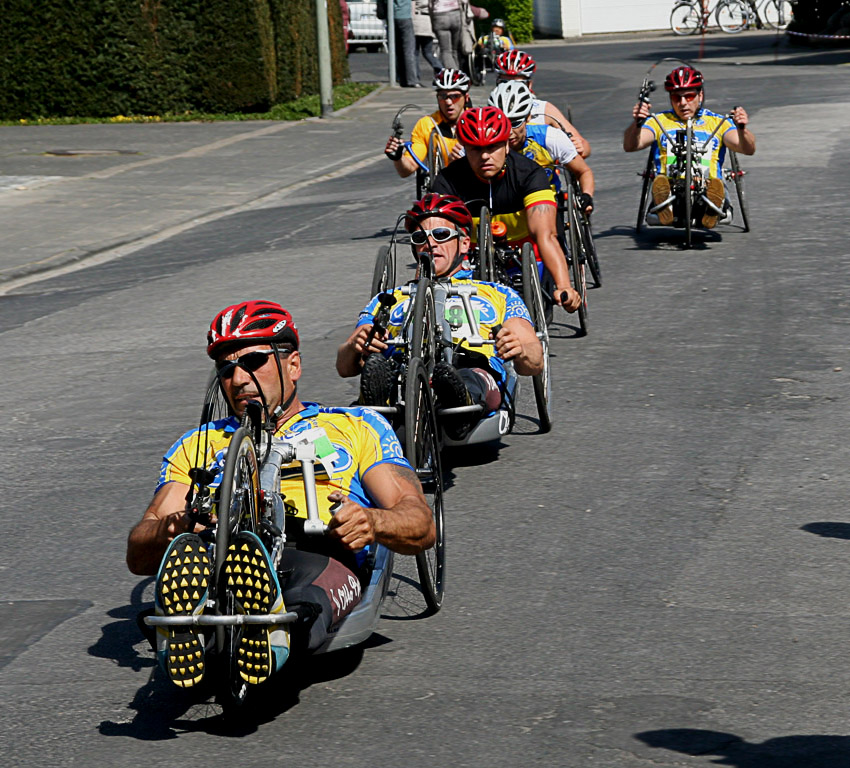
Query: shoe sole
(660, 192)
(248, 577)
(709, 220)
(182, 591)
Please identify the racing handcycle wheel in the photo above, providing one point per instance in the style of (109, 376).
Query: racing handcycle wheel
(689, 182)
(532, 295)
(436, 160)
(577, 259)
(422, 450)
(237, 510)
(383, 276)
(423, 332)
(486, 269)
(644, 193)
(586, 235)
(738, 179)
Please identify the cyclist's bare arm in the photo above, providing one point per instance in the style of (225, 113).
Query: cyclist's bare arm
(637, 136)
(164, 519)
(405, 165)
(554, 117)
(351, 352)
(740, 140)
(541, 227)
(581, 170)
(517, 341)
(402, 520)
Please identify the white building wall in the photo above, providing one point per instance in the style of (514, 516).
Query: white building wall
(624, 15)
(568, 18)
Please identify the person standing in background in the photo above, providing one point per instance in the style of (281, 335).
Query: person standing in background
(447, 21)
(405, 47)
(424, 36)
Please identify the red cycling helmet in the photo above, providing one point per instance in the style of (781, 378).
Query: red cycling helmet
(683, 77)
(515, 63)
(445, 206)
(481, 126)
(251, 322)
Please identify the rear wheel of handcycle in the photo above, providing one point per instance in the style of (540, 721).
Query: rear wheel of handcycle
(423, 328)
(237, 510)
(685, 18)
(644, 193)
(777, 14)
(532, 295)
(732, 16)
(422, 450)
(738, 179)
(486, 269)
(383, 276)
(577, 263)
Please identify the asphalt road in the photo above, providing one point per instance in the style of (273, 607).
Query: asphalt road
(660, 581)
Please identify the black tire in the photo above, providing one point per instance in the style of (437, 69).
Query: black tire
(423, 326)
(585, 231)
(422, 450)
(732, 16)
(688, 192)
(435, 159)
(738, 179)
(383, 276)
(644, 193)
(577, 263)
(237, 510)
(685, 18)
(777, 14)
(532, 295)
(486, 269)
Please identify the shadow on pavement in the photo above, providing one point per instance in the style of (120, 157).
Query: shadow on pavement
(781, 752)
(828, 530)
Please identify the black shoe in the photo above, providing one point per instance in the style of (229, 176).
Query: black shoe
(376, 381)
(451, 392)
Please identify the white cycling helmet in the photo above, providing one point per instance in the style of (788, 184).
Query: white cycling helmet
(514, 98)
(451, 80)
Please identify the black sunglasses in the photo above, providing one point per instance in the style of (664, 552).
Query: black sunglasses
(250, 361)
(440, 235)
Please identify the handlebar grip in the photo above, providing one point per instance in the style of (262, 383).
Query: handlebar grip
(334, 508)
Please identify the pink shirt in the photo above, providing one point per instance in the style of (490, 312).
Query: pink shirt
(445, 6)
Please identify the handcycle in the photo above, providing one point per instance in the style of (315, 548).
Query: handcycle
(688, 168)
(248, 497)
(438, 312)
(481, 59)
(435, 159)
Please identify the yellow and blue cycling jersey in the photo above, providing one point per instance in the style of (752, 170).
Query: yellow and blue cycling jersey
(495, 43)
(705, 123)
(362, 439)
(548, 147)
(493, 304)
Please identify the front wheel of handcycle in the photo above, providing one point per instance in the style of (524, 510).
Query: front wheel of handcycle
(644, 193)
(422, 450)
(532, 295)
(486, 269)
(237, 510)
(423, 328)
(436, 158)
(383, 276)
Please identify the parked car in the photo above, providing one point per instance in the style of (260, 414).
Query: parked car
(366, 29)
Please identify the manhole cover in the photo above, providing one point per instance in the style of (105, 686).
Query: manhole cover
(88, 152)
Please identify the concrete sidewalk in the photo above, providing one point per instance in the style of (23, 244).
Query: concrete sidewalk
(87, 193)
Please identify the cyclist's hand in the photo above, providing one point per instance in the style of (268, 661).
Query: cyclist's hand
(351, 525)
(740, 117)
(457, 152)
(585, 202)
(577, 143)
(508, 344)
(358, 341)
(568, 298)
(394, 148)
(641, 111)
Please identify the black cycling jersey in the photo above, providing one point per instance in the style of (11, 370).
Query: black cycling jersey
(521, 185)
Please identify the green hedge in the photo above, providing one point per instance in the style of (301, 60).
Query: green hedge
(110, 57)
(518, 15)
